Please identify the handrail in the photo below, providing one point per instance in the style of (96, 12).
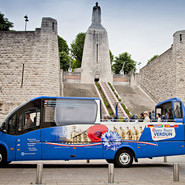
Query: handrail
(117, 99)
(152, 121)
(103, 105)
(108, 99)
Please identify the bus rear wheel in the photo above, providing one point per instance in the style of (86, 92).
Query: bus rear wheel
(124, 158)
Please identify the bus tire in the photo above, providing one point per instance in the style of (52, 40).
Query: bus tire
(110, 160)
(124, 158)
(3, 158)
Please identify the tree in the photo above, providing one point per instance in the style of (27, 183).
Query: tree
(111, 56)
(154, 57)
(5, 25)
(62, 44)
(77, 49)
(64, 60)
(63, 53)
(124, 60)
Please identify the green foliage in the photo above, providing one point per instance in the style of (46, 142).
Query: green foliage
(126, 60)
(153, 58)
(114, 92)
(62, 45)
(126, 110)
(63, 54)
(111, 56)
(5, 25)
(120, 119)
(64, 60)
(77, 49)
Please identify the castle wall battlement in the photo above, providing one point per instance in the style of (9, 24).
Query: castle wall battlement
(29, 65)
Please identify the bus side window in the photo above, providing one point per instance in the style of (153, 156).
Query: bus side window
(12, 125)
(177, 109)
(49, 117)
(166, 111)
(31, 118)
(158, 111)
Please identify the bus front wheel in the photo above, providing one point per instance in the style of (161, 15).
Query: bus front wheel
(110, 160)
(3, 158)
(124, 158)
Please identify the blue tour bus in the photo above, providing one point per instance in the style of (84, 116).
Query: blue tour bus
(68, 128)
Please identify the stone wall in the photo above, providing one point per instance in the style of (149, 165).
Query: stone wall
(29, 65)
(79, 90)
(121, 79)
(72, 77)
(164, 77)
(179, 57)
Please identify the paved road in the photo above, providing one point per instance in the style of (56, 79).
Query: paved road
(145, 172)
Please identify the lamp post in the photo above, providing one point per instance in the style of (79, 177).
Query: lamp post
(139, 65)
(70, 69)
(122, 69)
(26, 20)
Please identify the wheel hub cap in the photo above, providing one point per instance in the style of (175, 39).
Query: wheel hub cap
(1, 157)
(124, 158)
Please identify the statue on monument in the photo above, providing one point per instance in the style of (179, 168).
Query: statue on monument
(96, 16)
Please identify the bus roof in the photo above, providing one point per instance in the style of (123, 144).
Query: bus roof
(55, 97)
(169, 100)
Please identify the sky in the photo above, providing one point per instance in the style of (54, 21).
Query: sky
(143, 28)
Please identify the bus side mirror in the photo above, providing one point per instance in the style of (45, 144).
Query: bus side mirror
(3, 128)
(4, 131)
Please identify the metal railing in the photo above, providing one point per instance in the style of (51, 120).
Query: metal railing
(154, 121)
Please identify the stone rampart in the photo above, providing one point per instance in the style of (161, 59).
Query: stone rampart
(29, 65)
(164, 77)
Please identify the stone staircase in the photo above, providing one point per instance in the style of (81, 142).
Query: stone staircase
(109, 94)
(83, 90)
(135, 98)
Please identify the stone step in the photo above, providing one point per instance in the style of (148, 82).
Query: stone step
(112, 98)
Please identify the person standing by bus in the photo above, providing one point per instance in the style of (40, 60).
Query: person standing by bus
(158, 117)
(146, 117)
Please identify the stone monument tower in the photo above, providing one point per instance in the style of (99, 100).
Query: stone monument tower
(96, 64)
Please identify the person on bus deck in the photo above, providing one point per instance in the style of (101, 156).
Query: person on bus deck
(167, 116)
(141, 117)
(28, 121)
(158, 117)
(146, 117)
(177, 112)
(104, 118)
(149, 115)
(153, 115)
(107, 118)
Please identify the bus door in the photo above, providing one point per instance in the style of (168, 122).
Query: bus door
(178, 111)
(28, 146)
(171, 113)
